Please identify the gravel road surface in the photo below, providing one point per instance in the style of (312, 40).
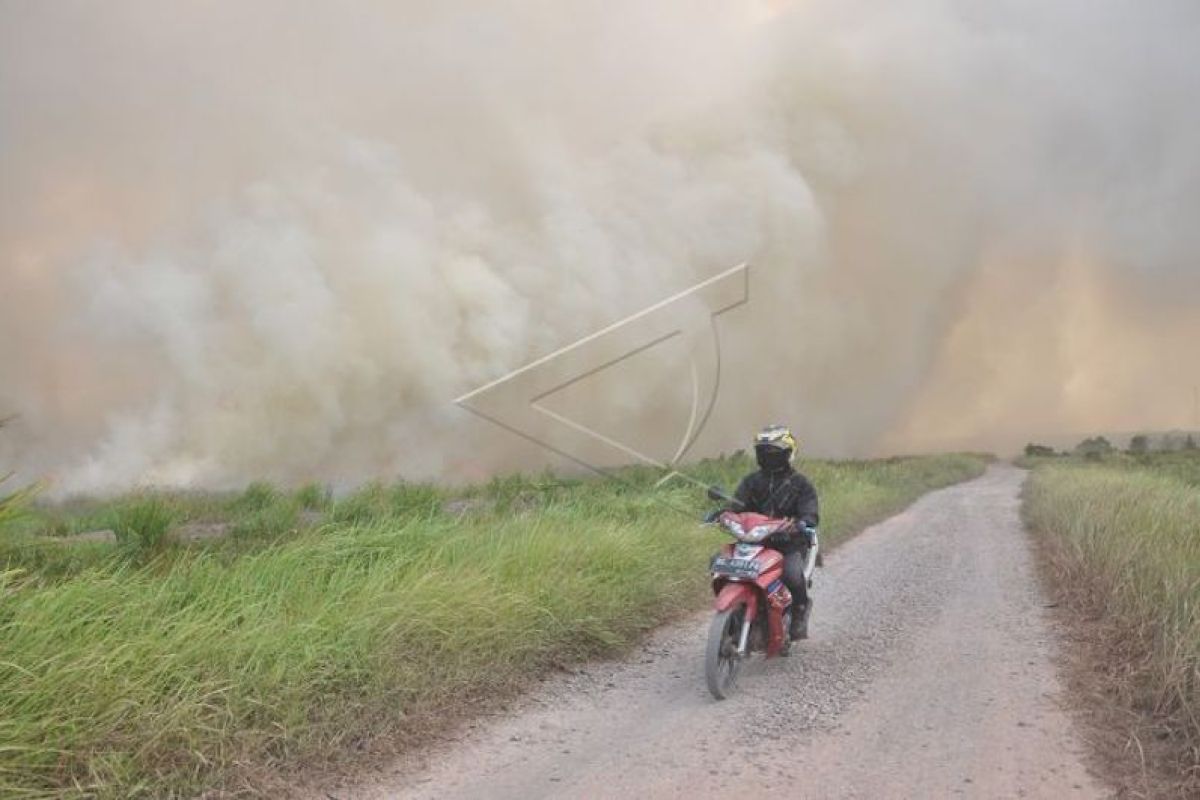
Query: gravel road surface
(929, 674)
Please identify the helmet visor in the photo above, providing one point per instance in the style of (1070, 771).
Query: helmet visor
(771, 457)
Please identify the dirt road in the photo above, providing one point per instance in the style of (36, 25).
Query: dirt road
(929, 674)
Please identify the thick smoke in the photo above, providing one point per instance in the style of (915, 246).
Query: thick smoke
(241, 241)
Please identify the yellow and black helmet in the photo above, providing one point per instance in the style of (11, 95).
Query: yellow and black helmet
(775, 447)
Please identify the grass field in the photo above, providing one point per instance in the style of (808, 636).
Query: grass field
(319, 627)
(1125, 538)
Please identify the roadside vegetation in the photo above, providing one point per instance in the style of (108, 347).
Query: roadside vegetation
(1124, 544)
(165, 665)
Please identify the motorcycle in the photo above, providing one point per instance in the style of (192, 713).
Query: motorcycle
(753, 607)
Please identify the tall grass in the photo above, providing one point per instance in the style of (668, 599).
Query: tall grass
(13, 505)
(168, 677)
(1128, 540)
(143, 524)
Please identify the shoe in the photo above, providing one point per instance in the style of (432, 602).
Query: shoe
(799, 626)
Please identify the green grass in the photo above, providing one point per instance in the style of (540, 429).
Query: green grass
(143, 524)
(1126, 535)
(13, 506)
(1183, 465)
(186, 668)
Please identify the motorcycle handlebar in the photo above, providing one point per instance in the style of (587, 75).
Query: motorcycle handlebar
(721, 496)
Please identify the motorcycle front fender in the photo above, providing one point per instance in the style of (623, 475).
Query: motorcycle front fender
(732, 594)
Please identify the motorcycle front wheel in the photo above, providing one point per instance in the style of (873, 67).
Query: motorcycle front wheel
(721, 658)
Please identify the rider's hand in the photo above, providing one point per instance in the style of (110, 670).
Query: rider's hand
(712, 516)
(779, 539)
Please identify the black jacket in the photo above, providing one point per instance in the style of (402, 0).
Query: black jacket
(779, 494)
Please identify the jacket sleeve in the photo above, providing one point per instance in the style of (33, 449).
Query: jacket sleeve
(807, 505)
(744, 495)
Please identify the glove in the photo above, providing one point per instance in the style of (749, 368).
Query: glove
(779, 539)
(713, 515)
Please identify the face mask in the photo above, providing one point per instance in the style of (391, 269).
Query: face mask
(771, 459)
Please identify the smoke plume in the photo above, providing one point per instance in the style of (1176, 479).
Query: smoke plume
(249, 240)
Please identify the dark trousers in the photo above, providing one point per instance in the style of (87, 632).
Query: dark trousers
(793, 577)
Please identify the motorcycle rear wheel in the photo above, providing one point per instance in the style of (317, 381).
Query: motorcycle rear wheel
(721, 658)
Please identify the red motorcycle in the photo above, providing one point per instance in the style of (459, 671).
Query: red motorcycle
(753, 607)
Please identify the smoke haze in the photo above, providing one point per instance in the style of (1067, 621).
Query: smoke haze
(238, 242)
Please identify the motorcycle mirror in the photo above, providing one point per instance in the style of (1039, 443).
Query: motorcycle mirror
(718, 494)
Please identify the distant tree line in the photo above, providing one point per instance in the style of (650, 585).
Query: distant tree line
(1097, 447)
(1094, 448)
(1142, 443)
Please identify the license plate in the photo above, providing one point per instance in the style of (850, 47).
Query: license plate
(735, 567)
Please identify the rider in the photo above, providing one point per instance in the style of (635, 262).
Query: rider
(778, 490)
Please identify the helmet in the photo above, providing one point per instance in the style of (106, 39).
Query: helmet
(774, 448)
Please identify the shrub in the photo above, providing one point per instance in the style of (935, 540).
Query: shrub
(1094, 448)
(256, 497)
(312, 497)
(368, 503)
(268, 523)
(376, 501)
(143, 524)
(12, 505)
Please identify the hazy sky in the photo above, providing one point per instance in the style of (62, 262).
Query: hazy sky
(237, 241)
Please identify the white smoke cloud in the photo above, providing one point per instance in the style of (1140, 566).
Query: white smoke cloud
(240, 242)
